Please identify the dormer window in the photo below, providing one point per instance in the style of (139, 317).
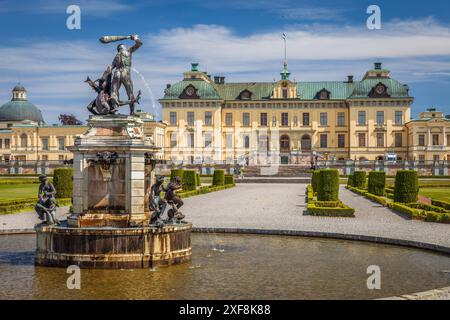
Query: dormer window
(245, 95)
(379, 91)
(190, 92)
(323, 94)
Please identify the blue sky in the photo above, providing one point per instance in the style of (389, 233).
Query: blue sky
(237, 39)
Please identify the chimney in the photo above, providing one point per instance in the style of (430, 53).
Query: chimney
(378, 65)
(222, 80)
(350, 79)
(217, 80)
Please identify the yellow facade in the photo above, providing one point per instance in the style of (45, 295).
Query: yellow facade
(285, 121)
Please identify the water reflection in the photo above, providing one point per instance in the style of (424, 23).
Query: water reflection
(235, 267)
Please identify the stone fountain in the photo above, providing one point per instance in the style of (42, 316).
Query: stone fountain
(113, 173)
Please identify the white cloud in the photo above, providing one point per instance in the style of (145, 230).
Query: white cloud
(53, 72)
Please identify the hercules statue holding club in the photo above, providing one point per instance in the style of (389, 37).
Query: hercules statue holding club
(116, 75)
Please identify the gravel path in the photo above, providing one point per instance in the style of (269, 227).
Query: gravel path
(282, 207)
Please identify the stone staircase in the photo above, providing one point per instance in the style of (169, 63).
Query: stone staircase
(290, 171)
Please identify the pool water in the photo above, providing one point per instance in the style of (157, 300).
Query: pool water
(227, 266)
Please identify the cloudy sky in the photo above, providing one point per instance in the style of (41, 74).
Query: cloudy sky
(237, 39)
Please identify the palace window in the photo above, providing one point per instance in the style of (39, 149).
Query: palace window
(341, 140)
(324, 141)
(323, 119)
(435, 139)
(361, 140)
(208, 140)
(263, 143)
(285, 119)
(246, 141)
(421, 159)
(285, 93)
(380, 118)
(173, 139)
(23, 140)
(306, 119)
(448, 141)
(362, 118)
(263, 119)
(421, 140)
(44, 158)
(380, 140)
(7, 143)
(208, 118)
(173, 118)
(229, 119)
(341, 119)
(229, 140)
(436, 158)
(399, 117)
(190, 118)
(190, 140)
(1, 143)
(398, 140)
(61, 143)
(246, 119)
(44, 142)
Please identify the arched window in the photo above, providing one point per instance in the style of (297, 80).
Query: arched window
(285, 144)
(23, 140)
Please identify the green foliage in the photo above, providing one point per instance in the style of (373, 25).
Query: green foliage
(26, 204)
(404, 209)
(189, 180)
(379, 199)
(63, 182)
(229, 179)
(219, 178)
(315, 180)
(340, 210)
(406, 186)
(350, 181)
(19, 181)
(197, 179)
(176, 173)
(441, 204)
(377, 183)
(203, 190)
(359, 179)
(328, 188)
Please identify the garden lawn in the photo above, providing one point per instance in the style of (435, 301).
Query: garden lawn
(442, 194)
(18, 191)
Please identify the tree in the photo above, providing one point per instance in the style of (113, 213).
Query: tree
(69, 120)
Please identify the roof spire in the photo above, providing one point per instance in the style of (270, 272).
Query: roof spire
(285, 72)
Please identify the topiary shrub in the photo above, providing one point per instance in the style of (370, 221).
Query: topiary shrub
(350, 181)
(176, 173)
(189, 180)
(198, 181)
(328, 188)
(63, 182)
(229, 179)
(359, 179)
(219, 178)
(406, 188)
(315, 180)
(377, 183)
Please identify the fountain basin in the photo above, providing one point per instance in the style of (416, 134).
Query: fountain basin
(113, 248)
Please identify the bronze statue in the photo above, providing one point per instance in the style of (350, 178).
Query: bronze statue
(156, 203)
(46, 205)
(174, 200)
(119, 73)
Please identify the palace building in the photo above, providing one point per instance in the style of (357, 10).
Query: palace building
(286, 122)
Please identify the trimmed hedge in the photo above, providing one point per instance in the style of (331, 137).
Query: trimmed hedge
(229, 179)
(315, 180)
(441, 204)
(359, 179)
(219, 178)
(63, 182)
(28, 204)
(189, 180)
(405, 209)
(350, 181)
(377, 183)
(328, 188)
(198, 180)
(19, 181)
(378, 199)
(203, 190)
(406, 186)
(338, 211)
(176, 173)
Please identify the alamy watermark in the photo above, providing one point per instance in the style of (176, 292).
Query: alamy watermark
(374, 280)
(374, 21)
(73, 21)
(74, 280)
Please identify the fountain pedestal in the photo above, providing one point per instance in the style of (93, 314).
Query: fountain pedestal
(108, 228)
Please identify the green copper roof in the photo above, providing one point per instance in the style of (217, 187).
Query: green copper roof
(205, 90)
(20, 110)
(306, 90)
(394, 88)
